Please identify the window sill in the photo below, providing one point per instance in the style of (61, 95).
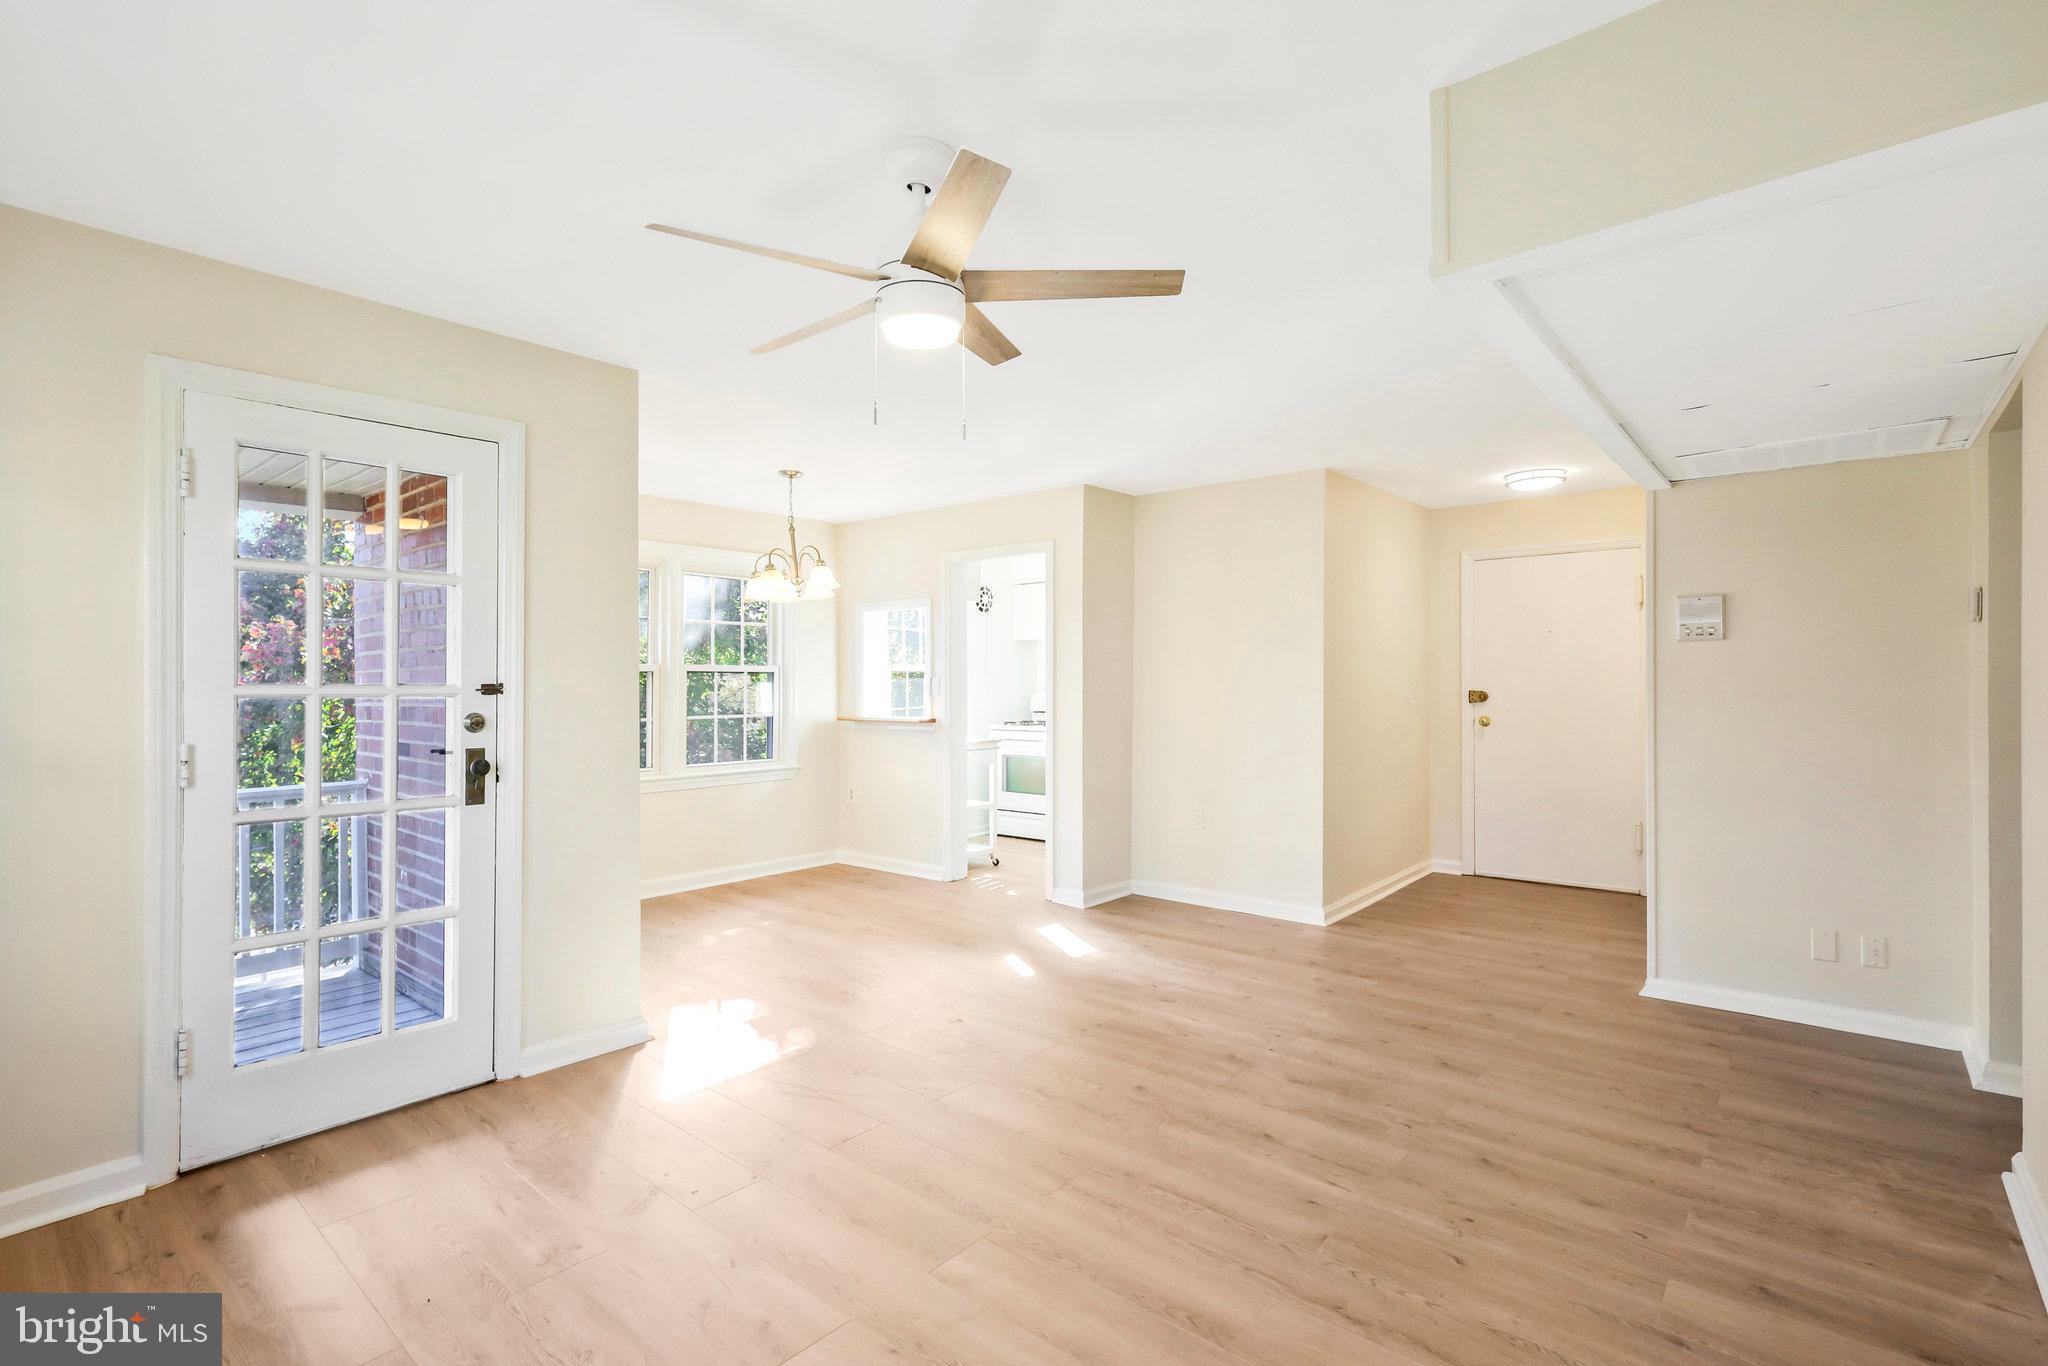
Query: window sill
(717, 777)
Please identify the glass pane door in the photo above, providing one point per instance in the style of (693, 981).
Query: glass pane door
(340, 581)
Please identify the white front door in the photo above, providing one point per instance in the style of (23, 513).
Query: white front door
(336, 950)
(1557, 745)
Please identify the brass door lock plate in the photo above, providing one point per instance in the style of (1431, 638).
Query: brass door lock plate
(1475, 695)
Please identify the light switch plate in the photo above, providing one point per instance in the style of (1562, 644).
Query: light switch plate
(1825, 946)
(1877, 952)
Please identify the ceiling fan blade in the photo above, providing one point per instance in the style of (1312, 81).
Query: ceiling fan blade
(958, 213)
(994, 286)
(794, 258)
(980, 336)
(859, 310)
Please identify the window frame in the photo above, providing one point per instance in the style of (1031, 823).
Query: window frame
(863, 679)
(670, 565)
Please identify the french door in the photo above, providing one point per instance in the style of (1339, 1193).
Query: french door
(337, 851)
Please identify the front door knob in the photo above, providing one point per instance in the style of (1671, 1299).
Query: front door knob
(1475, 695)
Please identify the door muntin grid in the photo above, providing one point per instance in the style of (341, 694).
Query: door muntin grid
(342, 925)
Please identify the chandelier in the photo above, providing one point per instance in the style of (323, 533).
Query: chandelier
(792, 574)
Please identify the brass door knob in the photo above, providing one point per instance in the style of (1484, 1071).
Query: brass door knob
(1475, 694)
(1486, 720)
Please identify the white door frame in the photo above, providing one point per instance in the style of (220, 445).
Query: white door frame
(1465, 751)
(166, 381)
(953, 724)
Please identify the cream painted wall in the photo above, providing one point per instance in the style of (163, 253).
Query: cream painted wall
(79, 311)
(1108, 550)
(1375, 680)
(897, 773)
(2033, 1159)
(1228, 726)
(685, 835)
(1994, 722)
(1688, 99)
(1812, 770)
(1453, 533)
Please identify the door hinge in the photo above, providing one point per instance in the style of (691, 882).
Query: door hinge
(185, 472)
(184, 1059)
(1639, 837)
(491, 689)
(184, 765)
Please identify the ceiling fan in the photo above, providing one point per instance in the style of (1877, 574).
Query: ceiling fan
(926, 298)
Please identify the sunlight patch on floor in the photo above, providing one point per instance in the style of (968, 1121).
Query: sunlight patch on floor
(1065, 940)
(713, 1041)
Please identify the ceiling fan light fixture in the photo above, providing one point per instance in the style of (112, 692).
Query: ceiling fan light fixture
(1533, 481)
(921, 314)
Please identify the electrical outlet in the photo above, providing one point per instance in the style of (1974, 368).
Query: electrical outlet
(1877, 951)
(1824, 947)
(1201, 820)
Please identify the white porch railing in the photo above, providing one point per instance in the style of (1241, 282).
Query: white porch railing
(351, 867)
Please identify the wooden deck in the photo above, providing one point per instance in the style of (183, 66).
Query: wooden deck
(887, 1119)
(267, 1022)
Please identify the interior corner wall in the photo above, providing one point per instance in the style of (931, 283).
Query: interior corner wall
(1812, 769)
(1227, 726)
(1687, 99)
(1108, 531)
(694, 836)
(897, 774)
(2031, 1164)
(1523, 523)
(79, 311)
(1375, 758)
(1994, 720)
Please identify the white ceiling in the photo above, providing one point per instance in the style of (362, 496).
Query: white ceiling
(1853, 323)
(492, 163)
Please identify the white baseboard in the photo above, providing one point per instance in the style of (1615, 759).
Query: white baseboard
(1378, 891)
(2030, 1212)
(591, 1043)
(2000, 1078)
(878, 863)
(1875, 1023)
(737, 872)
(1454, 867)
(60, 1197)
(1301, 913)
(1083, 898)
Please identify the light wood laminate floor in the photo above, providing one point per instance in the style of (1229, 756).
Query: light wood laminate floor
(886, 1119)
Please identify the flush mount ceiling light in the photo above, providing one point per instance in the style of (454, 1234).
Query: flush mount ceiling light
(1534, 481)
(792, 574)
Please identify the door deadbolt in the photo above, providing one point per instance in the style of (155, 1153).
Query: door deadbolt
(474, 722)
(1475, 695)
(476, 770)
(1486, 720)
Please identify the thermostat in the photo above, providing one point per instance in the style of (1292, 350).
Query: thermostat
(1699, 617)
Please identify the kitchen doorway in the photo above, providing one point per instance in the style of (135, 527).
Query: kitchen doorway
(996, 693)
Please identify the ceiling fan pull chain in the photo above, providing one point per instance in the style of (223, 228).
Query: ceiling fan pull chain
(963, 391)
(875, 419)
